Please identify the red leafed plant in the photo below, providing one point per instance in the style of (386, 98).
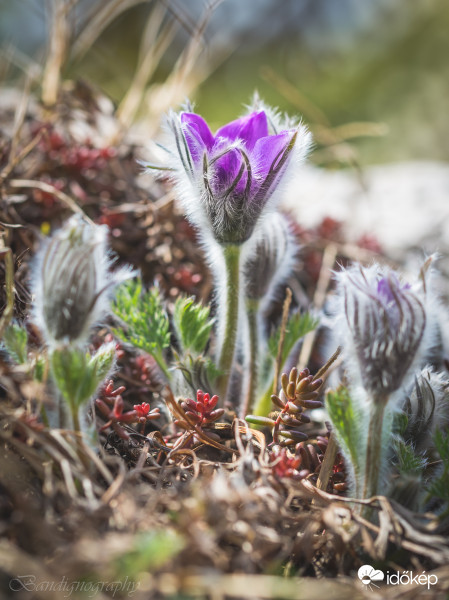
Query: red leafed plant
(286, 465)
(202, 411)
(110, 407)
(192, 416)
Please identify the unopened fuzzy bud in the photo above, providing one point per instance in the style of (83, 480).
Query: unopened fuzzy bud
(72, 281)
(383, 327)
(272, 259)
(427, 409)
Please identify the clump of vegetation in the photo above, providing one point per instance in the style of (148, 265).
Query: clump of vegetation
(174, 407)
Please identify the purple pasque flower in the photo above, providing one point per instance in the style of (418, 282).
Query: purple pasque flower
(383, 327)
(234, 174)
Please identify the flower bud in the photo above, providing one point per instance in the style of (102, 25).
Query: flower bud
(72, 281)
(272, 260)
(383, 327)
(427, 409)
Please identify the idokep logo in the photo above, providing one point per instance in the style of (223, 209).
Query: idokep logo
(370, 577)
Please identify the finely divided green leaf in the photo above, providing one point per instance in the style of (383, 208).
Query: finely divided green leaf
(15, 340)
(439, 487)
(149, 552)
(409, 462)
(192, 324)
(348, 426)
(145, 321)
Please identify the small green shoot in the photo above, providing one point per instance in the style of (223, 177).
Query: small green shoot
(200, 372)
(151, 550)
(78, 374)
(145, 321)
(298, 325)
(346, 422)
(192, 325)
(15, 341)
(439, 487)
(409, 462)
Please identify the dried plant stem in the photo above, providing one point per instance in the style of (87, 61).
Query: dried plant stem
(278, 366)
(329, 256)
(19, 119)
(328, 463)
(50, 189)
(156, 41)
(232, 261)
(9, 288)
(264, 405)
(325, 368)
(59, 37)
(252, 311)
(15, 159)
(101, 16)
(373, 450)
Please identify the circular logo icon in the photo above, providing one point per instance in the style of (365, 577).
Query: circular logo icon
(368, 575)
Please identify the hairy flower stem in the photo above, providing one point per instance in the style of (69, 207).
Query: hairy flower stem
(76, 420)
(252, 311)
(373, 450)
(232, 261)
(79, 437)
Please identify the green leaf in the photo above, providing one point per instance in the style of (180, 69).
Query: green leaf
(441, 441)
(298, 325)
(192, 324)
(77, 374)
(150, 551)
(145, 321)
(15, 340)
(439, 487)
(400, 423)
(262, 421)
(101, 363)
(348, 424)
(200, 372)
(409, 462)
(39, 368)
(69, 367)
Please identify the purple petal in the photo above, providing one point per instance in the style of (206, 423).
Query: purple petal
(385, 285)
(249, 129)
(268, 151)
(226, 169)
(198, 135)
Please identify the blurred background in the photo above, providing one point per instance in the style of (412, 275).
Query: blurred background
(373, 71)
(370, 78)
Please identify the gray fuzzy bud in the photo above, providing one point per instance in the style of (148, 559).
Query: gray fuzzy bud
(427, 409)
(272, 260)
(383, 329)
(71, 282)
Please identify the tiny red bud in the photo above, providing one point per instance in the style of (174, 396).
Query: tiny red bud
(213, 401)
(118, 407)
